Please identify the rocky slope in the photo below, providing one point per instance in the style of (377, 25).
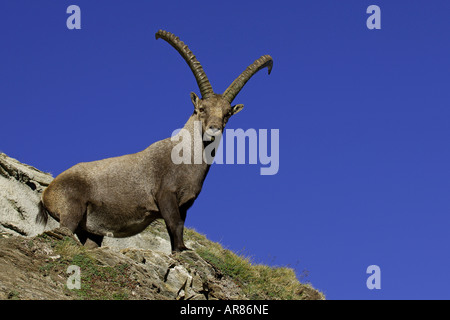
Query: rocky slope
(34, 261)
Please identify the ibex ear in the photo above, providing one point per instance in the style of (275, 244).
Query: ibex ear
(195, 99)
(235, 109)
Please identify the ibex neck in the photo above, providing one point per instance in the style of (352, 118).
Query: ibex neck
(191, 140)
(194, 126)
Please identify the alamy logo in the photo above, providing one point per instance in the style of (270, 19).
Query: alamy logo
(74, 280)
(374, 20)
(74, 20)
(191, 150)
(374, 280)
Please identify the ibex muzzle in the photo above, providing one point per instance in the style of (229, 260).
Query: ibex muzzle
(121, 196)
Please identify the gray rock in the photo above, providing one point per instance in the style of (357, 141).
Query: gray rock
(21, 186)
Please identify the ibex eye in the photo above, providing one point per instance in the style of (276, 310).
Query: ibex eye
(201, 109)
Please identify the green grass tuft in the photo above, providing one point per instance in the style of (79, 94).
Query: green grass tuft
(97, 281)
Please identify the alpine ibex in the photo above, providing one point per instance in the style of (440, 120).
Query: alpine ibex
(121, 196)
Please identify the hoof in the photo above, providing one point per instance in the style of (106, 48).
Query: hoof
(181, 249)
(90, 244)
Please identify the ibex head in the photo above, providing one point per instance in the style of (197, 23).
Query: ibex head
(212, 109)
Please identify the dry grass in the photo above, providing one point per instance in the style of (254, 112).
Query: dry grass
(257, 281)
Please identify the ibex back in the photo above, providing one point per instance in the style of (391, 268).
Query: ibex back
(121, 196)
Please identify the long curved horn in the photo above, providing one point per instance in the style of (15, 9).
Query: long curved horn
(202, 81)
(239, 82)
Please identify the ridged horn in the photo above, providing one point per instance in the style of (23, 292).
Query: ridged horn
(239, 82)
(202, 81)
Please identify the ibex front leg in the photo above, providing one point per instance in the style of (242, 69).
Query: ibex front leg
(174, 219)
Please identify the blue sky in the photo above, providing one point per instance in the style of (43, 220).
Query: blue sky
(363, 116)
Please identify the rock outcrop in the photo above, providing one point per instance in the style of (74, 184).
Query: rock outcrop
(34, 261)
(20, 188)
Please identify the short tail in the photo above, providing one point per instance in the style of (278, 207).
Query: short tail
(42, 216)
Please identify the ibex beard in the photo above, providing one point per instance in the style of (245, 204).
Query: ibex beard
(121, 196)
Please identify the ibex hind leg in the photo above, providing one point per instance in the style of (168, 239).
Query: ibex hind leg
(72, 214)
